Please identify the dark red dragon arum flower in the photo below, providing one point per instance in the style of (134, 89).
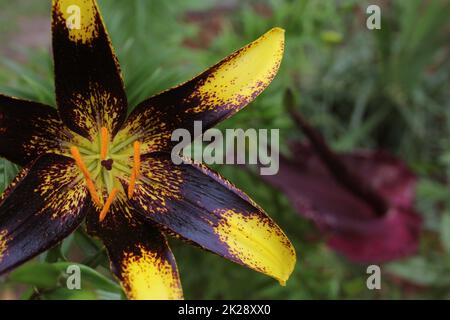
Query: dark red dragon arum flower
(362, 200)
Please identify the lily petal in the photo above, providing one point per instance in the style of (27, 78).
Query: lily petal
(140, 256)
(89, 88)
(212, 96)
(198, 205)
(28, 129)
(41, 207)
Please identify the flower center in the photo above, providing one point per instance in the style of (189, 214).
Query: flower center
(102, 162)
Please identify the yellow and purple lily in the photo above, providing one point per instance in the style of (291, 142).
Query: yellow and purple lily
(88, 160)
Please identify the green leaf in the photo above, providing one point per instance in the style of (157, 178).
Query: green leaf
(54, 254)
(53, 276)
(445, 231)
(421, 271)
(8, 171)
(90, 276)
(66, 294)
(433, 190)
(42, 275)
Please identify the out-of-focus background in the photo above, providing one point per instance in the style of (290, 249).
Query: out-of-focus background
(381, 89)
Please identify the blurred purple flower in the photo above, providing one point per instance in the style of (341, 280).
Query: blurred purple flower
(362, 200)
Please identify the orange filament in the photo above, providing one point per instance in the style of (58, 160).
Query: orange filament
(132, 183)
(103, 143)
(108, 203)
(90, 185)
(136, 168)
(137, 157)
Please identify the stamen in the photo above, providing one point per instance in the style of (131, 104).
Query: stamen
(132, 184)
(136, 168)
(103, 143)
(137, 157)
(90, 185)
(108, 203)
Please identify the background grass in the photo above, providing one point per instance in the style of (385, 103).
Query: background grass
(386, 89)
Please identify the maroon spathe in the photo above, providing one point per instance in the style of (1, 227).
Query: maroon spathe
(343, 194)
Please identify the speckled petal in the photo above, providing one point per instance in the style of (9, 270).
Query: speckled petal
(140, 256)
(198, 205)
(41, 207)
(212, 96)
(89, 87)
(28, 129)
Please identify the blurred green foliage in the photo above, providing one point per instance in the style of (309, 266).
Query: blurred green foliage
(383, 88)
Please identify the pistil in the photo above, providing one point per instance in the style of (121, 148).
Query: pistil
(103, 164)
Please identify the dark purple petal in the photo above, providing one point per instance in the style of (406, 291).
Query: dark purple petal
(200, 206)
(139, 253)
(89, 88)
(42, 206)
(214, 95)
(29, 129)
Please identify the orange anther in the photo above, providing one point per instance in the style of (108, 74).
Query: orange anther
(108, 203)
(136, 168)
(103, 143)
(132, 183)
(137, 157)
(90, 185)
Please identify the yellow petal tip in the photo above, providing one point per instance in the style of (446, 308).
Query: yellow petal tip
(258, 243)
(277, 34)
(277, 30)
(285, 272)
(149, 277)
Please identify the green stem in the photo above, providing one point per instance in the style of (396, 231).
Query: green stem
(122, 168)
(123, 144)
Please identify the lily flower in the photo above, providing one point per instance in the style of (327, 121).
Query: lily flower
(362, 200)
(87, 159)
